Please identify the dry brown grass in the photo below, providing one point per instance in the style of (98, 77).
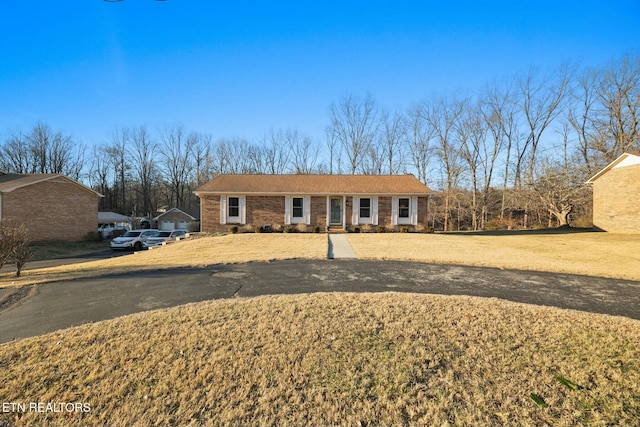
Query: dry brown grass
(593, 254)
(189, 253)
(333, 359)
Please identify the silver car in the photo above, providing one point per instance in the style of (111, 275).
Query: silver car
(132, 240)
(163, 236)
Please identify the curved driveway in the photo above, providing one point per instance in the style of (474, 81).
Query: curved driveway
(44, 308)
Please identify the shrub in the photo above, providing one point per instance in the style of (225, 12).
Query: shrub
(287, 230)
(233, 229)
(380, 229)
(404, 229)
(356, 229)
(316, 229)
(259, 229)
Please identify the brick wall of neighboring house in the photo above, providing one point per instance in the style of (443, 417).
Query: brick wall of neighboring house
(616, 200)
(53, 210)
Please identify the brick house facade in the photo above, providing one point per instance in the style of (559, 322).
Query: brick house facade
(307, 202)
(616, 195)
(53, 207)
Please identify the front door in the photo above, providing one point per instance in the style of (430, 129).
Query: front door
(335, 217)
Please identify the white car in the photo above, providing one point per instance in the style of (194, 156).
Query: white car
(132, 240)
(163, 236)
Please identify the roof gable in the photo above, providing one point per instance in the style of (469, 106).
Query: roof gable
(314, 184)
(193, 213)
(12, 181)
(625, 160)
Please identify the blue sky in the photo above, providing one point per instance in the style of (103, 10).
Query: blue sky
(238, 68)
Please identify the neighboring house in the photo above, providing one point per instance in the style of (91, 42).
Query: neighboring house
(616, 195)
(52, 206)
(310, 201)
(187, 219)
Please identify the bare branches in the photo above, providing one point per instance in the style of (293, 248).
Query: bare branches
(354, 125)
(14, 245)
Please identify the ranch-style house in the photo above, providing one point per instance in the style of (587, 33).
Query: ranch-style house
(309, 202)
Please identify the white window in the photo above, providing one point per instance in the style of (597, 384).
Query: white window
(297, 210)
(404, 210)
(233, 209)
(365, 210)
(403, 207)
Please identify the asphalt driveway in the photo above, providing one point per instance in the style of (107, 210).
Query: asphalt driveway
(39, 309)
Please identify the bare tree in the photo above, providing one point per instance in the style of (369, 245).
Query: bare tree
(16, 155)
(354, 126)
(43, 150)
(276, 150)
(118, 150)
(101, 176)
(176, 159)
(305, 154)
(202, 158)
(419, 135)
(14, 244)
(143, 152)
(442, 115)
(581, 118)
(559, 187)
(235, 156)
(335, 159)
(618, 93)
(541, 101)
(392, 137)
(496, 109)
(471, 132)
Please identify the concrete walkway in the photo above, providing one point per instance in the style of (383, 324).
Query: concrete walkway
(339, 247)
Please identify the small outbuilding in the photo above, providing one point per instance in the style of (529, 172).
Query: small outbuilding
(52, 206)
(616, 195)
(310, 202)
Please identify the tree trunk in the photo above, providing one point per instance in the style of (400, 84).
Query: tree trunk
(562, 215)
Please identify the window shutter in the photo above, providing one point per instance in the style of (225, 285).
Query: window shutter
(355, 214)
(394, 211)
(374, 210)
(223, 209)
(414, 210)
(243, 209)
(287, 210)
(307, 209)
